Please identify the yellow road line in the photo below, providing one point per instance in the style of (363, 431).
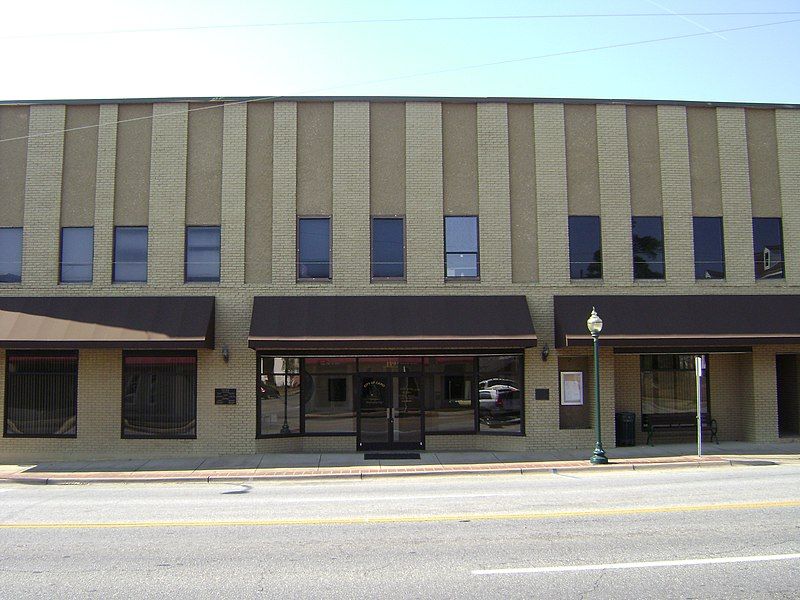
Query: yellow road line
(602, 512)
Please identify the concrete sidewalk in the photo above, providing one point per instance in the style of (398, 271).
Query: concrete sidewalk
(326, 466)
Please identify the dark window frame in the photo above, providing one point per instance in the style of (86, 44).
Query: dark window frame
(186, 278)
(21, 233)
(61, 279)
(114, 260)
(600, 249)
(157, 353)
(662, 262)
(372, 220)
(697, 263)
(61, 353)
(329, 219)
(477, 251)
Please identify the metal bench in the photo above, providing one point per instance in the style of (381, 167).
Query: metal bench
(655, 421)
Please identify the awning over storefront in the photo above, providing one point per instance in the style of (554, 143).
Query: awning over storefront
(679, 321)
(107, 322)
(358, 323)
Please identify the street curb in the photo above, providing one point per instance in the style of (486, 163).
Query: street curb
(358, 475)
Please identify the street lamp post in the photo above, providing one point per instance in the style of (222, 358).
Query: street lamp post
(595, 325)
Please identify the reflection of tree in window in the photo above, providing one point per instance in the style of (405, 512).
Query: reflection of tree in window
(647, 238)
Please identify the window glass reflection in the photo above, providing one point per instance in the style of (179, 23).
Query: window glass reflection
(314, 248)
(585, 254)
(278, 396)
(202, 254)
(768, 248)
(648, 247)
(387, 247)
(10, 254)
(449, 389)
(77, 250)
(709, 251)
(461, 246)
(500, 394)
(130, 254)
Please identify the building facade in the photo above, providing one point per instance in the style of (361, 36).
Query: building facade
(340, 274)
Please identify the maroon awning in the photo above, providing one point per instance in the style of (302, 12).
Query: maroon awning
(679, 321)
(107, 322)
(360, 323)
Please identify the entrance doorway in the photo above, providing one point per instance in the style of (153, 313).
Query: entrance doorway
(788, 375)
(390, 412)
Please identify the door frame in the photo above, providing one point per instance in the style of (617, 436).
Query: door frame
(388, 443)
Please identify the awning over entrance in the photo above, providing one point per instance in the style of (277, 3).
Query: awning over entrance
(107, 322)
(358, 323)
(679, 321)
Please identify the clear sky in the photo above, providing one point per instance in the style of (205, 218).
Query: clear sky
(183, 48)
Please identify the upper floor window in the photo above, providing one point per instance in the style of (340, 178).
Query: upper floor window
(130, 254)
(585, 253)
(461, 247)
(10, 254)
(709, 249)
(768, 248)
(388, 255)
(202, 253)
(77, 250)
(647, 235)
(314, 248)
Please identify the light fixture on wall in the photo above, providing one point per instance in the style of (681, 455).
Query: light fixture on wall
(225, 354)
(545, 352)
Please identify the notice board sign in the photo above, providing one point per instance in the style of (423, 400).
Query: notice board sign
(225, 396)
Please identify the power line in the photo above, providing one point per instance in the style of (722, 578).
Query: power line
(418, 74)
(394, 21)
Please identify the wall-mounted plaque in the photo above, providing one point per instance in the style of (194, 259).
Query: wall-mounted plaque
(541, 394)
(225, 396)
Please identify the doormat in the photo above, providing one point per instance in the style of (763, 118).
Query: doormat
(390, 455)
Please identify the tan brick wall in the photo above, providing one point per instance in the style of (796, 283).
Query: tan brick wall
(737, 213)
(104, 195)
(743, 385)
(615, 195)
(676, 194)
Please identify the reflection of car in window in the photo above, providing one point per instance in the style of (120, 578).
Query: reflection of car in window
(499, 399)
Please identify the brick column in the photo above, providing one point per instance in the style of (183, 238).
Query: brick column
(284, 194)
(761, 424)
(615, 194)
(494, 195)
(167, 208)
(42, 216)
(104, 195)
(234, 167)
(424, 195)
(787, 126)
(351, 226)
(737, 210)
(676, 194)
(551, 193)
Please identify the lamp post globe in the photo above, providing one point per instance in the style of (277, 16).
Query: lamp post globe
(595, 325)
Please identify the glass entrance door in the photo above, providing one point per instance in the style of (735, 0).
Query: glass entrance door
(390, 412)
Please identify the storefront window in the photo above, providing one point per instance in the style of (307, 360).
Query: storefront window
(449, 406)
(159, 395)
(327, 391)
(279, 396)
(41, 394)
(500, 394)
(669, 384)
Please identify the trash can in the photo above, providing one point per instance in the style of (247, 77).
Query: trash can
(626, 428)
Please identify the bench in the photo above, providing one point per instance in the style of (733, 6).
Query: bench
(655, 421)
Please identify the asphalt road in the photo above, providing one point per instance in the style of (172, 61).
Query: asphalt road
(698, 533)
